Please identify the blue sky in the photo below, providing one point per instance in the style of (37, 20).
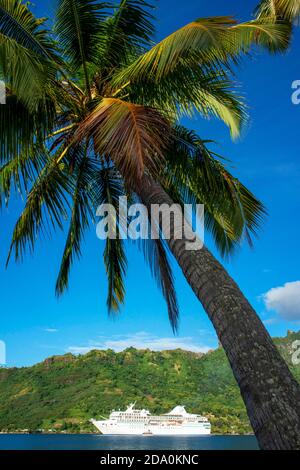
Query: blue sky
(35, 324)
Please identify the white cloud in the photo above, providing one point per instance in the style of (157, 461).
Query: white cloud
(51, 330)
(285, 300)
(204, 332)
(270, 321)
(142, 340)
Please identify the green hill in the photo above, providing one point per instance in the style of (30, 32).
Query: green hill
(64, 392)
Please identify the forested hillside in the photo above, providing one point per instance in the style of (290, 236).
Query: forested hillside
(64, 392)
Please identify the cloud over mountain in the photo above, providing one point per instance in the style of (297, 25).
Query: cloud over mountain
(142, 340)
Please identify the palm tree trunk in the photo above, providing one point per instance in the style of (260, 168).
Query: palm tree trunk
(270, 392)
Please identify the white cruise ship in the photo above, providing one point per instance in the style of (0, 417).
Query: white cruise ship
(141, 422)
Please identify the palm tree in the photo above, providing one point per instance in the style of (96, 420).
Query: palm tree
(92, 113)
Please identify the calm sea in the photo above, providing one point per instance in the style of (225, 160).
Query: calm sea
(96, 441)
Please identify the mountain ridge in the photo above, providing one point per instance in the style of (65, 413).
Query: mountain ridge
(61, 393)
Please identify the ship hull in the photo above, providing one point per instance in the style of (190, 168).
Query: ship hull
(150, 430)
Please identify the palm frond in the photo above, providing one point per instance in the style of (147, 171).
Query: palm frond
(115, 264)
(264, 33)
(278, 9)
(28, 58)
(133, 136)
(19, 172)
(156, 256)
(81, 214)
(214, 97)
(22, 128)
(107, 187)
(77, 25)
(10, 174)
(25, 75)
(19, 24)
(193, 89)
(89, 115)
(204, 34)
(216, 40)
(46, 207)
(124, 34)
(196, 175)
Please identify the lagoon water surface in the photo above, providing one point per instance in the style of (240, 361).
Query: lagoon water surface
(99, 442)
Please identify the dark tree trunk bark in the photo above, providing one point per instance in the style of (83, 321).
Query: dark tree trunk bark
(270, 392)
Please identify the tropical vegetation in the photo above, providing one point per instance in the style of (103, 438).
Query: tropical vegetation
(62, 393)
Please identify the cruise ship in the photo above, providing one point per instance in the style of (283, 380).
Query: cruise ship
(141, 422)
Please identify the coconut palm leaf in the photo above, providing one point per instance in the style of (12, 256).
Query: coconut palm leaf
(116, 264)
(19, 24)
(199, 176)
(10, 173)
(276, 9)
(28, 61)
(21, 128)
(19, 172)
(264, 33)
(132, 135)
(77, 24)
(203, 34)
(107, 188)
(186, 91)
(156, 256)
(81, 214)
(213, 40)
(46, 207)
(17, 127)
(24, 74)
(124, 33)
(214, 97)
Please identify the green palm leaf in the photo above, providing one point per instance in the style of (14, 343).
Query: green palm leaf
(198, 176)
(264, 33)
(46, 207)
(115, 263)
(28, 61)
(107, 188)
(77, 24)
(206, 40)
(156, 256)
(124, 33)
(204, 34)
(19, 172)
(21, 128)
(81, 214)
(191, 89)
(276, 9)
(19, 24)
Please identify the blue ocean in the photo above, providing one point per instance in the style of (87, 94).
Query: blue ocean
(100, 442)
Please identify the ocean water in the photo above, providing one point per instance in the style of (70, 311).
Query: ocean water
(99, 442)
